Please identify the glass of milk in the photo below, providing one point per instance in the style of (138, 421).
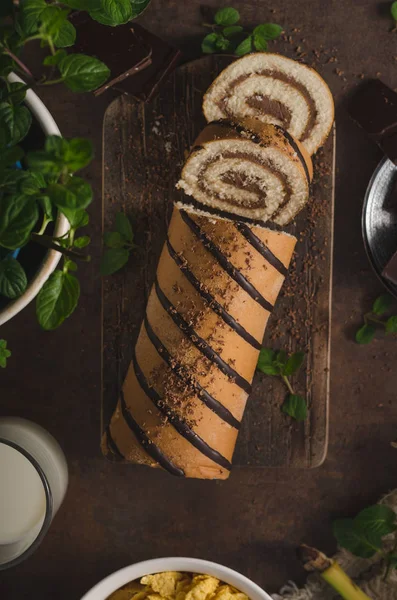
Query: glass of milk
(33, 482)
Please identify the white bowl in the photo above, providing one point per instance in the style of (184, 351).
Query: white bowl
(110, 584)
(51, 259)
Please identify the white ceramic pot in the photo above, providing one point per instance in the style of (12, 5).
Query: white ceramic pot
(49, 127)
(112, 583)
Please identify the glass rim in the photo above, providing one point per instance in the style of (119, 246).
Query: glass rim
(48, 512)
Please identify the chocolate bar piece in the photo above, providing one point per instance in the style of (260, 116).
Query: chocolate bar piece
(390, 270)
(138, 60)
(374, 108)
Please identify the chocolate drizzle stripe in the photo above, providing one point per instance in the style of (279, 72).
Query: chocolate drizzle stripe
(298, 151)
(258, 140)
(112, 444)
(182, 372)
(224, 262)
(200, 342)
(146, 443)
(216, 307)
(180, 425)
(217, 212)
(262, 248)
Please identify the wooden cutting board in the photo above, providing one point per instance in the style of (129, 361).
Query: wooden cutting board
(144, 147)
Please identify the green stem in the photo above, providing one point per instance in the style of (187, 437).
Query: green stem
(211, 26)
(288, 384)
(370, 317)
(51, 45)
(18, 62)
(342, 584)
(44, 224)
(49, 243)
(32, 37)
(52, 81)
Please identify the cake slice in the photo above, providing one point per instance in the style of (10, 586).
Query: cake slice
(273, 89)
(252, 171)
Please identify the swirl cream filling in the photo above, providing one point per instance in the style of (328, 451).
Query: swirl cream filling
(245, 179)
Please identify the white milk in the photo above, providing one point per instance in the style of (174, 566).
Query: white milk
(22, 496)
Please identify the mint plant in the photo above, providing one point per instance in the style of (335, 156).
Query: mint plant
(4, 353)
(31, 197)
(364, 535)
(279, 364)
(119, 245)
(375, 319)
(227, 36)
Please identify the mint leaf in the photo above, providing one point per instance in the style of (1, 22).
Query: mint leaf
(266, 357)
(350, 537)
(78, 154)
(113, 239)
(74, 196)
(57, 145)
(269, 369)
(281, 357)
(4, 353)
(378, 519)
(32, 183)
(227, 16)
(13, 279)
(245, 47)
(366, 334)
(268, 31)
(18, 216)
(260, 43)
(78, 218)
(47, 208)
(138, 6)
(45, 162)
(113, 260)
(16, 92)
(53, 60)
(70, 265)
(15, 123)
(82, 242)
(113, 12)
(222, 43)
(393, 10)
(123, 226)
(29, 15)
(56, 27)
(232, 30)
(295, 406)
(83, 73)
(75, 154)
(57, 299)
(391, 325)
(294, 363)
(208, 45)
(382, 304)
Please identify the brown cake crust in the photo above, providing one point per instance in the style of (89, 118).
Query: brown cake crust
(185, 391)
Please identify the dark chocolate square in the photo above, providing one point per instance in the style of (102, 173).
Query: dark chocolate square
(139, 61)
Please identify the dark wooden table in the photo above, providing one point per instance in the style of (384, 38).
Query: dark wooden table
(115, 515)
